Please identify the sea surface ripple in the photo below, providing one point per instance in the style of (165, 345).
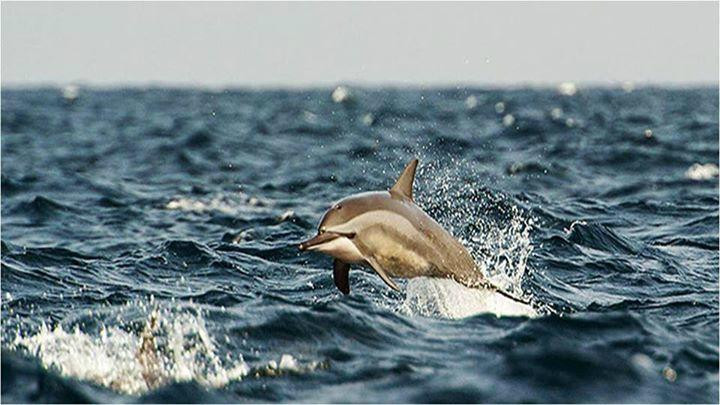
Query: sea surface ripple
(170, 218)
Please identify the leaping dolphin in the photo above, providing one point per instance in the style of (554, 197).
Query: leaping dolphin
(386, 231)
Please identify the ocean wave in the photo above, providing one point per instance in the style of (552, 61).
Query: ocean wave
(581, 204)
(167, 346)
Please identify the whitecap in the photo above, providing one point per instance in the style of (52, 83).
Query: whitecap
(368, 119)
(70, 92)
(173, 347)
(230, 204)
(556, 113)
(288, 364)
(340, 94)
(508, 120)
(499, 107)
(567, 88)
(471, 102)
(627, 86)
(702, 172)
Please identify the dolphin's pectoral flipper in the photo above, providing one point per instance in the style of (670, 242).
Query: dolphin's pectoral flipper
(383, 275)
(404, 184)
(340, 276)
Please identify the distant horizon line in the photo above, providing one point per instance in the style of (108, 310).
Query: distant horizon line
(622, 84)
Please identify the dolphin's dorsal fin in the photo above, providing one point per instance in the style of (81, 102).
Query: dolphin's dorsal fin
(404, 184)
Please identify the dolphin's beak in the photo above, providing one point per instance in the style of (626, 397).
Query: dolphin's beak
(319, 239)
(324, 237)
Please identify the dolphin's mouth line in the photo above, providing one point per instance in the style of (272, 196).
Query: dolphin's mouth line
(322, 238)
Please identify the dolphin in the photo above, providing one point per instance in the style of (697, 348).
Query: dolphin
(388, 232)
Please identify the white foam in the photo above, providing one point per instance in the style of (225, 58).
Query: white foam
(702, 172)
(368, 119)
(288, 364)
(567, 88)
(108, 359)
(495, 232)
(174, 345)
(340, 94)
(70, 92)
(471, 102)
(642, 362)
(182, 350)
(508, 120)
(570, 230)
(627, 86)
(556, 113)
(500, 107)
(231, 204)
(310, 117)
(502, 251)
(444, 298)
(286, 215)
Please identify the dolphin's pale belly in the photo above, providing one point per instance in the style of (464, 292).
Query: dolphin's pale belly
(406, 252)
(397, 255)
(404, 265)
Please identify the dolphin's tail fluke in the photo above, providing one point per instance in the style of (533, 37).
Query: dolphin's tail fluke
(508, 295)
(484, 283)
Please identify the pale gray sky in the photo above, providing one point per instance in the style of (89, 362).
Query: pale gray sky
(309, 44)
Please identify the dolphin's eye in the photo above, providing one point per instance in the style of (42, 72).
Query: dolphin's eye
(338, 207)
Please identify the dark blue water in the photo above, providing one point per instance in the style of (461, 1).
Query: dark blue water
(173, 216)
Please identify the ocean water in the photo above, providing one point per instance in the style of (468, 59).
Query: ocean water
(149, 245)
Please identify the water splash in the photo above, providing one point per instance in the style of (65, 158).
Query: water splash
(502, 248)
(170, 344)
(173, 346)
(444, 298)
(493, 229)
